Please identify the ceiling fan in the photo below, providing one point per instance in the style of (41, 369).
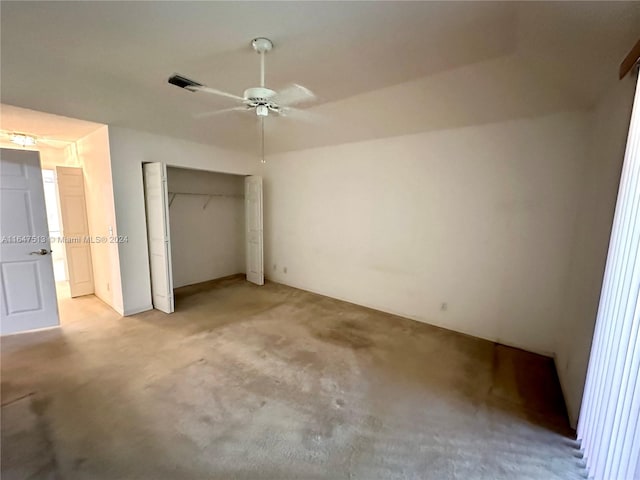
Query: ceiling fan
(261, 100)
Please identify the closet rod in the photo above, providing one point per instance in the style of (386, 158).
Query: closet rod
(172, 196)
(239, 195)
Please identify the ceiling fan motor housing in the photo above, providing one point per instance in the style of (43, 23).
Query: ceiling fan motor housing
(262, 45)
(259, 94)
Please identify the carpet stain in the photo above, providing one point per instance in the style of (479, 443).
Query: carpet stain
(272, 382)
(346, 334)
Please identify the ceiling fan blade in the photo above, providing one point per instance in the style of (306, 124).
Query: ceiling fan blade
(218, 112)
(193, 86)
(183, 82)
(299, 114)
(214, 91)
(293, 94)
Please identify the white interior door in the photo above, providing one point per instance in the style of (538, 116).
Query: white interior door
(75, 230)
(26, 269)
(157, 205)
(253, 218)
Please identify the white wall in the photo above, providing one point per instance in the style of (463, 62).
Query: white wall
(608, 135)
(50, 157)
(206, 243)
(480, 218)
(94, 157)
(129, 149)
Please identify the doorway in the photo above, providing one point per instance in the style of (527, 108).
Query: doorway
(58, 256)
(201, 226)
(63, 177)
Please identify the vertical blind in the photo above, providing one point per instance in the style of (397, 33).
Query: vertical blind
(608, 427)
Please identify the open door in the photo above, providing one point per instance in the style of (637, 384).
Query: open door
(157, 205)
(26, 269)
(253, 218)
(75, 230)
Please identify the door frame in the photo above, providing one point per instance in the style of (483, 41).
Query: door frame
(197, 169)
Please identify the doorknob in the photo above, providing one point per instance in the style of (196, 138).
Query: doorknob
(42, 251)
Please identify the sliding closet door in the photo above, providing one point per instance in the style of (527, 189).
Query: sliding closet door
(157, 206)
(253, 237)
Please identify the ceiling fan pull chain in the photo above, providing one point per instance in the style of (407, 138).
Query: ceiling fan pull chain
(262, 160)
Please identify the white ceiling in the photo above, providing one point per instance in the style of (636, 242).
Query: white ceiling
(39, 124)
(378, 68)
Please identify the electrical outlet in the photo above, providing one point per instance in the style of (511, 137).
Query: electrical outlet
(444, 306)
(284, 269)
(275, 267)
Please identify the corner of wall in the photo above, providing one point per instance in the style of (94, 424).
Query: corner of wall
(571, 411)
(94, 155)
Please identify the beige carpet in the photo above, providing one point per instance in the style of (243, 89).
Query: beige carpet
(247, 382)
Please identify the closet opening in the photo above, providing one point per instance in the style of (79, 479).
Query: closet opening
(206, 218)
(202, 227)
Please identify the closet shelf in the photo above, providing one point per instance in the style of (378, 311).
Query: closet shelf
(172, 196)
